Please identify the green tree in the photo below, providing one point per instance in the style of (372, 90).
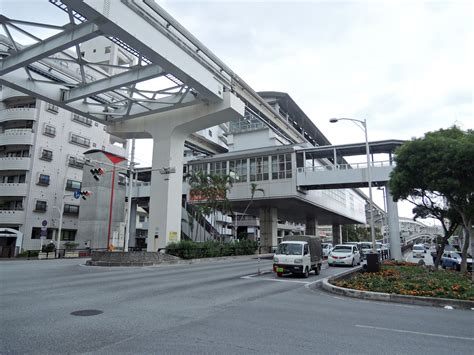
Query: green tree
(211, 190)
(436, 174)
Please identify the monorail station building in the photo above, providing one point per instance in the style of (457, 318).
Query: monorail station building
(258, 155)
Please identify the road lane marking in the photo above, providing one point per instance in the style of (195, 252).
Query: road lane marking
(252, 277)
(414, 332)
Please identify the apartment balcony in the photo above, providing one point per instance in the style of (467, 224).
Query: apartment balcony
(13, 189)
(9, 93)
(12, 216)
(15, 163)
(13, 114)
(18, 136)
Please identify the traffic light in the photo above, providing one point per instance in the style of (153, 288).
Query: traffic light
(85, 194)
(97, 172)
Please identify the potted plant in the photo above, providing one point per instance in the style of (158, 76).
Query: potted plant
(70, 250)
(48, 251)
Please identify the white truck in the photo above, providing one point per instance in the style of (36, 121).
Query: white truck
(298, 254)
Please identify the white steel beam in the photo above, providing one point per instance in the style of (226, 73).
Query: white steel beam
(121, 22)
(61, 41)
(114, 82)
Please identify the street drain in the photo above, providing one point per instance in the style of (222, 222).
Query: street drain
(86, 312)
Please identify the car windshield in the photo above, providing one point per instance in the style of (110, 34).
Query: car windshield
(365, 246)
(458, 255)
(290, 249)
(325, 246)
(342, 249)
(418, 247)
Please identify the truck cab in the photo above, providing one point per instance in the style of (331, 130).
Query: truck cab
(298, 255)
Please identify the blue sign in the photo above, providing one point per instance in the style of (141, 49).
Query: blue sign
(77, 194)
(44, 223)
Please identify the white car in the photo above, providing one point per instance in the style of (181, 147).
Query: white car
(419, 250)
(344, 254)
(327, 247)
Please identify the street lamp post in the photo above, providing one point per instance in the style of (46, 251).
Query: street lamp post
(363, 125)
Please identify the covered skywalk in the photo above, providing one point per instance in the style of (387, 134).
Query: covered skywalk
(306, 185)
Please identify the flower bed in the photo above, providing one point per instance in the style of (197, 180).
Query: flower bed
(405, 278)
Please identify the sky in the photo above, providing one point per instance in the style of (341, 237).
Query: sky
(404, 66)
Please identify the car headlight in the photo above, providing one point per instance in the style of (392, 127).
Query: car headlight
(275, 259)
(298, 261)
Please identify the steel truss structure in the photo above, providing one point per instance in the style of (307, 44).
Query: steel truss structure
(169, 69)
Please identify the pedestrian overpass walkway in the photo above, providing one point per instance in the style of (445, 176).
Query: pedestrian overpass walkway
(337, 173)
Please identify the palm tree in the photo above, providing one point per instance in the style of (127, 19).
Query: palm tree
(211, 190)
(253, 190)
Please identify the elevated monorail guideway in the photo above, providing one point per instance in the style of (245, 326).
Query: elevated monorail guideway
(172, 87)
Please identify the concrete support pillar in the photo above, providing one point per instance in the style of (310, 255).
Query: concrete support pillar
(169, 130)
(268, 227)
(336, 234)
(311, 226)
(393, 226)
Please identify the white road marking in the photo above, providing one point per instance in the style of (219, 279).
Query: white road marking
(252, 277)
(413, 332)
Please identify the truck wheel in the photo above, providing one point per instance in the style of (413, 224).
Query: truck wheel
(279, 274)
(306, 273)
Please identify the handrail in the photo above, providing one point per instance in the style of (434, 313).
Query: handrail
(375, 164)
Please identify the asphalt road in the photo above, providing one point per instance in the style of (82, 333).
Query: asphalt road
(426, 257)
(213, 308)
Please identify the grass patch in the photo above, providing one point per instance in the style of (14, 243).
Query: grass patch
(414, 280)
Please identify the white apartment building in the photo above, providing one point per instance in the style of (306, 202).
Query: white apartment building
(41, 165)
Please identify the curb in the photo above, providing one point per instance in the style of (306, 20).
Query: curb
(392, 297)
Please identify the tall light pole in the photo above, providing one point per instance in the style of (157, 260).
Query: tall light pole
(363, 125)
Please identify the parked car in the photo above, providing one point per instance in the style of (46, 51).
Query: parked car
(344, 254)
(419, 250)
(327, 247)
(452, 260)
(364, 248)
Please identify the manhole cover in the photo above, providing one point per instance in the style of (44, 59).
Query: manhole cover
(86, 312)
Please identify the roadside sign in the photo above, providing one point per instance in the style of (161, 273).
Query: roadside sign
(44, 223)
(77, 194)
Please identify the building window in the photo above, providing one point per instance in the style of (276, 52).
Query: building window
(46, 155)
(43, 180)
(73, 185)
(107, 50)
(76, 162)
(141, 218)
(238, 170)
(49, 130)
(68, 235)
(52, 108)
(36, 233)
(82, 120)
(71, 210)
(21, 179)
(75, 139)
(218, 168)
(41, 206)
(281, 166)
(259, 169)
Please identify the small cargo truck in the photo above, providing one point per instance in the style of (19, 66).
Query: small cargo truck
(298, 254)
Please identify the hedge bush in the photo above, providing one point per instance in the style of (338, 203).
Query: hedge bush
(187, 249)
